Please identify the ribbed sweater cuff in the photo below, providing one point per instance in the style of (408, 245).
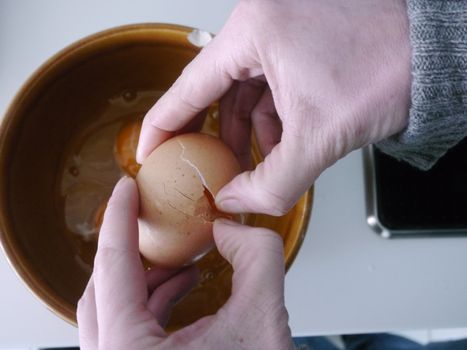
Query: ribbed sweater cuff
(438, 118)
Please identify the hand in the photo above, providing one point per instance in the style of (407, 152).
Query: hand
(314, 79)
(124, 307)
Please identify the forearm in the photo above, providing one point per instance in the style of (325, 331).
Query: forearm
(438, 117)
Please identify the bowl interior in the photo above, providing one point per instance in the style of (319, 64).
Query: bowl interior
(67, 97)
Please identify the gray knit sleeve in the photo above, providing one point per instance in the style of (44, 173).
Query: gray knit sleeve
(438, 112)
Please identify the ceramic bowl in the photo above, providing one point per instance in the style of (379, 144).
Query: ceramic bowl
(63, 97)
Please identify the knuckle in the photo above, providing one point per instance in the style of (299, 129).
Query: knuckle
(281, 209)
(275, 204)
(263, 245)
(267, 235)
(187, 93)
(266, 196)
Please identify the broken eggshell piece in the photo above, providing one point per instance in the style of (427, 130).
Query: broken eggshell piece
(178, 183)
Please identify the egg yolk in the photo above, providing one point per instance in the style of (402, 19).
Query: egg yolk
(125, 147)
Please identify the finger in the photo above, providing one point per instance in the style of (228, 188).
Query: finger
(235, 118)
(257, 257)
(203, 81)
(119, 277)
(157, 276)
(153, 136)
(195, 124)
(266, 123)
(87, 318)
(275, 185)
(119, 228)
(170, 292)
(150, 137)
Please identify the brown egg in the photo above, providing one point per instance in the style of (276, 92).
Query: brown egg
(177, 185)
(125, 147)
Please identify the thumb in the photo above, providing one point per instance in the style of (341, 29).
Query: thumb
(257, 257)
(274, 186)
(256, 305)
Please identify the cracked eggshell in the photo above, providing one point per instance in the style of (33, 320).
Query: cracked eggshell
(176, 214)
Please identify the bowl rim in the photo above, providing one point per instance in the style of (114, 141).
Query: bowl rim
(50, 299)
(16, 259)
(300, 237)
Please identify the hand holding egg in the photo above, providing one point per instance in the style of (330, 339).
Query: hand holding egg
(126, 307)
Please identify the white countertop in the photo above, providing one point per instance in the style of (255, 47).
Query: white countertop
(345, 279)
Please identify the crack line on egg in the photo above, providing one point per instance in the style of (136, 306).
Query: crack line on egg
(198, 216)
(178, 191)
(184, 195)
(206, 193)
(177, 209)
(173, 206)
(190, 163)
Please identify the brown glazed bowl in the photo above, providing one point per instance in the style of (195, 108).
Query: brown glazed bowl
(61, 99)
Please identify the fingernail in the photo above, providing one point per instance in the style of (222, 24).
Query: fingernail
(142, 148)
(139, 154)
(231, 206)
(121, 182)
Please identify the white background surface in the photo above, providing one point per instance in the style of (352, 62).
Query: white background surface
(345, 279)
